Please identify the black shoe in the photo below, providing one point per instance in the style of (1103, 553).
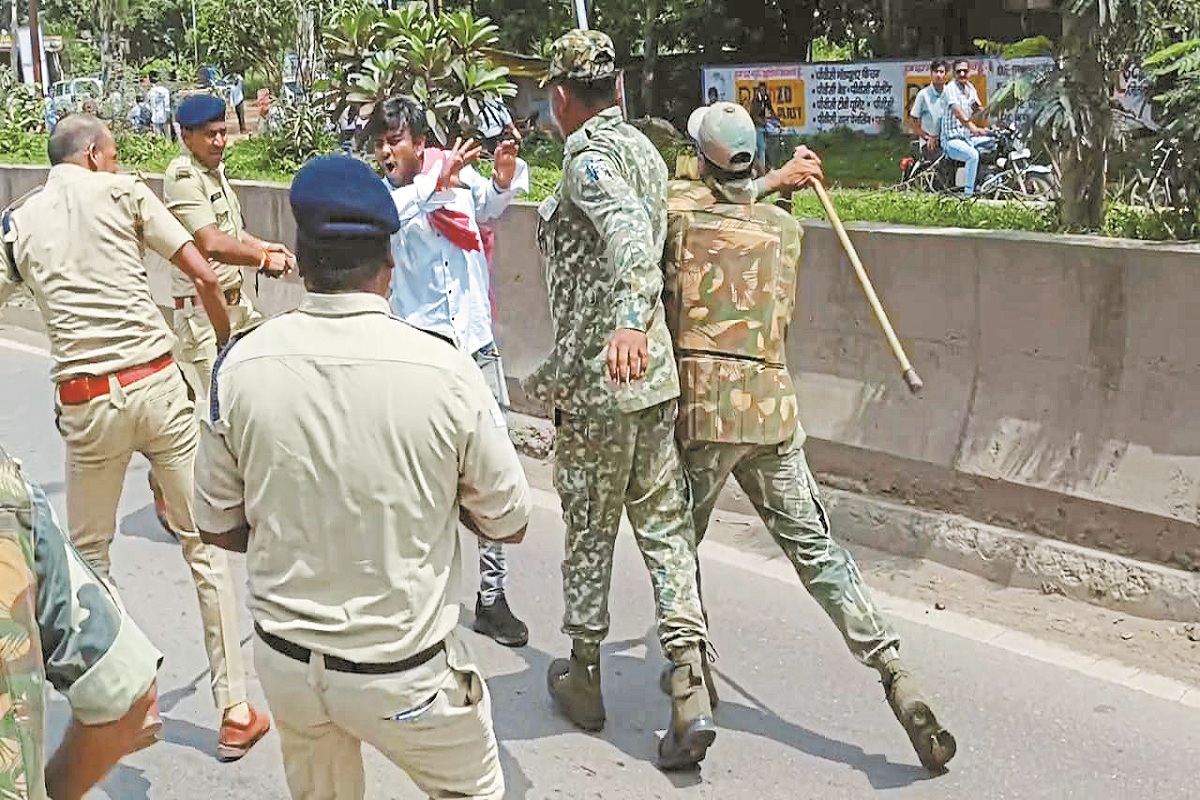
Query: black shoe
(160, 506)
(498, 622)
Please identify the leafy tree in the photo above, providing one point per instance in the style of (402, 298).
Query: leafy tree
(242, 35)
(373, 54)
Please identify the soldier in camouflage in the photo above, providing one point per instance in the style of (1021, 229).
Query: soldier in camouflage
(611, 379)
(730, 265)
(59, 620)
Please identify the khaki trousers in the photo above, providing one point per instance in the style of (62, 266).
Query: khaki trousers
(154, 417)
(196, 341)
(434, 722)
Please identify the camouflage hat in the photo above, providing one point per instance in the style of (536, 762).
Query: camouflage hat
(725, 135)
(583, 56)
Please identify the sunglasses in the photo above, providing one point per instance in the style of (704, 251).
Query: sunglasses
(962, 71)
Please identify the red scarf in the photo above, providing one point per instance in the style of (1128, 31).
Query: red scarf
(454, 225)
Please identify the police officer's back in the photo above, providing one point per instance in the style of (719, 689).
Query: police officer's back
(346, 500)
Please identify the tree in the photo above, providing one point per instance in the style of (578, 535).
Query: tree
(1071, 105)
(241, 35)
(373, 54)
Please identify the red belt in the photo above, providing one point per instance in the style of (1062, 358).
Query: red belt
(86, 388)
(232, 298)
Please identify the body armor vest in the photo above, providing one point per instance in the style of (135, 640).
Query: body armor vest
(729, 299)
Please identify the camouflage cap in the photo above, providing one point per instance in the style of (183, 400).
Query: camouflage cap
(725, 134)
(583, 56)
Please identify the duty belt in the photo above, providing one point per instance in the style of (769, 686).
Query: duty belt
(295, 651)
(86, 388)
(232, 298)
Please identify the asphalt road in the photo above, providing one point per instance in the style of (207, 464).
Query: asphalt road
(800, 718)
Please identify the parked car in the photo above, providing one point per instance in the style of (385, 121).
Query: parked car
(66, 96)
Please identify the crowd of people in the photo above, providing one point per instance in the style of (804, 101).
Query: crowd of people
(341, 446)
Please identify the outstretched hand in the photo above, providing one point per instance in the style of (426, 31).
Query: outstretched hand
(463, 152)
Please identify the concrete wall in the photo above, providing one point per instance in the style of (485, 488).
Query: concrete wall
(1062, 374)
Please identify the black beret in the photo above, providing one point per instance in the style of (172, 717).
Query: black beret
(200, 109)
(340, 199)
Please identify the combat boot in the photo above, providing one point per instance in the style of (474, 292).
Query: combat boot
(692, 730)
(934, 744)
(574, 684)
(710, 655)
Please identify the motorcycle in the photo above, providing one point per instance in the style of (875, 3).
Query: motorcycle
(1006, 170)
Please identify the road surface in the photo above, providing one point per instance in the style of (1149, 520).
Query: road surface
(799, 719)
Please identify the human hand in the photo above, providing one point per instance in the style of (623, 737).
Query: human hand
(628, 355)
(506, 162)
(804, 167)
(463, 152)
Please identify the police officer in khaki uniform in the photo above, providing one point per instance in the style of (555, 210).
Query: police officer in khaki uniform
(199, 195)
(346, 500)
(78, 244)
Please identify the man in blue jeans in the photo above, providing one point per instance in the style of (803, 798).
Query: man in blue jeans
(441, 282)
(962, 139)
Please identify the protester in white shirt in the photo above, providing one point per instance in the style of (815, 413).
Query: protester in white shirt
(441, 282)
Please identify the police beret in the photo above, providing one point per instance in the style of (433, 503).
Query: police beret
(340, 199)
(200, 109)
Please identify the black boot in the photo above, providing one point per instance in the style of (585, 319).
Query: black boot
(498, 622)
(574, 684)
(692, 730)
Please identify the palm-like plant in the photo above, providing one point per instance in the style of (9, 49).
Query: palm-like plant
(373, 54)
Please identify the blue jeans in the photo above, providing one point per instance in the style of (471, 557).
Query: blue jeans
(760, 153)
(493, 569)
(967, 151)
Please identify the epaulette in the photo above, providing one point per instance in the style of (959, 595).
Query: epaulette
(214, 401)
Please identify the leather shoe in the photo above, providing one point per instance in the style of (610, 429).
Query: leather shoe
(236, 739)
(498, 622)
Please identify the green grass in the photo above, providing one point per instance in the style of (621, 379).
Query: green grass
(852, 160)
(927, 210)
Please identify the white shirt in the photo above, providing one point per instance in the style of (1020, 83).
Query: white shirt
(494, 120)
(159, 100)
(436, 286)
(237, 92)
(930, 108)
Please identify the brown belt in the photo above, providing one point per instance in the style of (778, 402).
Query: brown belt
(232, 298)
(86, 388)
(295, 651)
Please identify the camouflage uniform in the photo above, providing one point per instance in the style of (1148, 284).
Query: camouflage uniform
(601, 234)
(730, 291)
(58, 620)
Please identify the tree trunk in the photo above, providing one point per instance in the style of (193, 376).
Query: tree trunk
(1085, 161)
(649, 57)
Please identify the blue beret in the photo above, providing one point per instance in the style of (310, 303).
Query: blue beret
(200, 109)
(340, 199)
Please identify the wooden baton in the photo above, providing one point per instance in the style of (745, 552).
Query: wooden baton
(910, 375)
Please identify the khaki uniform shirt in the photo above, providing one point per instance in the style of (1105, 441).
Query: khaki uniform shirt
(346, 440)
(199, 196)
(79, 245)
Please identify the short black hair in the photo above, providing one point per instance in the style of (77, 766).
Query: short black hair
(345, 267)
(400, 113)
(962, 61)
(152, 75)
(74, 134)
(938, 63)
(600, 93)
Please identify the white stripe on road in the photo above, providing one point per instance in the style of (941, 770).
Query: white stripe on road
(21, 347)
(987, 633)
